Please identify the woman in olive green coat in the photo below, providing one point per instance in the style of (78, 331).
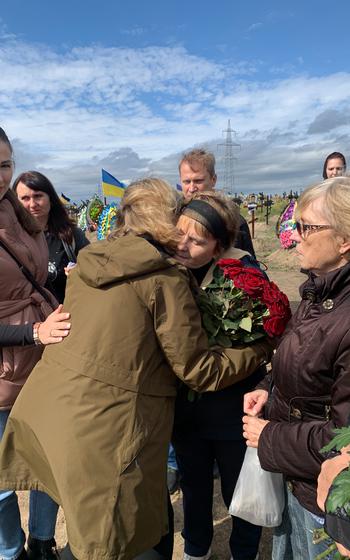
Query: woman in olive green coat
(92, 425)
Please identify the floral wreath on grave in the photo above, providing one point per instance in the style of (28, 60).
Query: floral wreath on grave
(286, 224)
(107, 220)
(93, 210)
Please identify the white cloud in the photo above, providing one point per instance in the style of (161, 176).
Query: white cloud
(98, 75)
(255, 26)
(4, 33)
(264, 105)
(69, 111)
(134, 31)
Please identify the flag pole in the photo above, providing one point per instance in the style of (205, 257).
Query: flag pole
(104, 198)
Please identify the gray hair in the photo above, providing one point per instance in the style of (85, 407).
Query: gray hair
(336, 207)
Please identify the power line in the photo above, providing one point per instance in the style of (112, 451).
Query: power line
(229, 160)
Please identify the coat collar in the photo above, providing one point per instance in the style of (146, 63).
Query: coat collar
(328, 286)
(231, 253)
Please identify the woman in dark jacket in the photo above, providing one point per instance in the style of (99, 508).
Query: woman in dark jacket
(311, 368)
(209, 428)
(64, 239)
(23, 248)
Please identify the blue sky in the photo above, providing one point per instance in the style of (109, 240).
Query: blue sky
(130, 85)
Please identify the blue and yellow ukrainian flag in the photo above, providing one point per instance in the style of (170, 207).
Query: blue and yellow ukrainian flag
(111, 186)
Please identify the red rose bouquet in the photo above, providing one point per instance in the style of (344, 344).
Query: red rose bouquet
(240, 305)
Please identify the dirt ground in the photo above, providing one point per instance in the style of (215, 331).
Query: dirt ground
(282, 267)
(222, 527)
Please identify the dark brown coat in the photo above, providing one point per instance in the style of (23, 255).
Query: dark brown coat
(20, 303)
(311, 393)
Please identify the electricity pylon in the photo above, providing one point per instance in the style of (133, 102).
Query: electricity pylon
(229, 182)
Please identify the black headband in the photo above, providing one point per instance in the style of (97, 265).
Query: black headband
(205, 214)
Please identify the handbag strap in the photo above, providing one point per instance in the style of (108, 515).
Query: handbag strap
(27, 274)
(69, 250)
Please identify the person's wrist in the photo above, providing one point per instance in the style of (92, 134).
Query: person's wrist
(36, 338)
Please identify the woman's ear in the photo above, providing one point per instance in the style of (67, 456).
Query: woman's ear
(344, 248)
(218, 250)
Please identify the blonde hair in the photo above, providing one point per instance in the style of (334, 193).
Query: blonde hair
(336, 206)
(225, 207)
(149, 207)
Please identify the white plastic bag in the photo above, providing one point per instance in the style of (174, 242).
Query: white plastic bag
(259, 495)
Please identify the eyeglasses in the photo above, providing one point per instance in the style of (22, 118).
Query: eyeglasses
(307, 229)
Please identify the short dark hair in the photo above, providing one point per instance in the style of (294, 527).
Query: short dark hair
(333, 155)
(199, 156)
(59, 222)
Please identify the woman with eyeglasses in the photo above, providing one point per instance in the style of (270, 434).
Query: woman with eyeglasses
(334, 165)
(310, 377)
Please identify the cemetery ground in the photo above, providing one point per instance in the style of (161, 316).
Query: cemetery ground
(282, 268)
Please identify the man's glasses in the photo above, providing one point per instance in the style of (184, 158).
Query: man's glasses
(307, 229)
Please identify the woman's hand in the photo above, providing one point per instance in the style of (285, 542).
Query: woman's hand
(329, 470)
(69, 267)
(255, 401)
(55, 328)
(252, 428)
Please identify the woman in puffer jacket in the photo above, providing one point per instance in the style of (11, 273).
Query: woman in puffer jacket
(21, 244)
(310, 370)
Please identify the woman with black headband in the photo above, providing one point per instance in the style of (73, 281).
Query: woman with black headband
(209, 428)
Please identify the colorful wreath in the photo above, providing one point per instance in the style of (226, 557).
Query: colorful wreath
(81, 217)
(94, 209)
(107, 220)
(285, 225)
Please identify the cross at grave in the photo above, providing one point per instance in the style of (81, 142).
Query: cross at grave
(251, 209)
(268, 203)
(261, 201)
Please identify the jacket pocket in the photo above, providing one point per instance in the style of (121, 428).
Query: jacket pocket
(141, 515)
(310, 408)
(18, 361)
(152, 428)
(7, 364)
